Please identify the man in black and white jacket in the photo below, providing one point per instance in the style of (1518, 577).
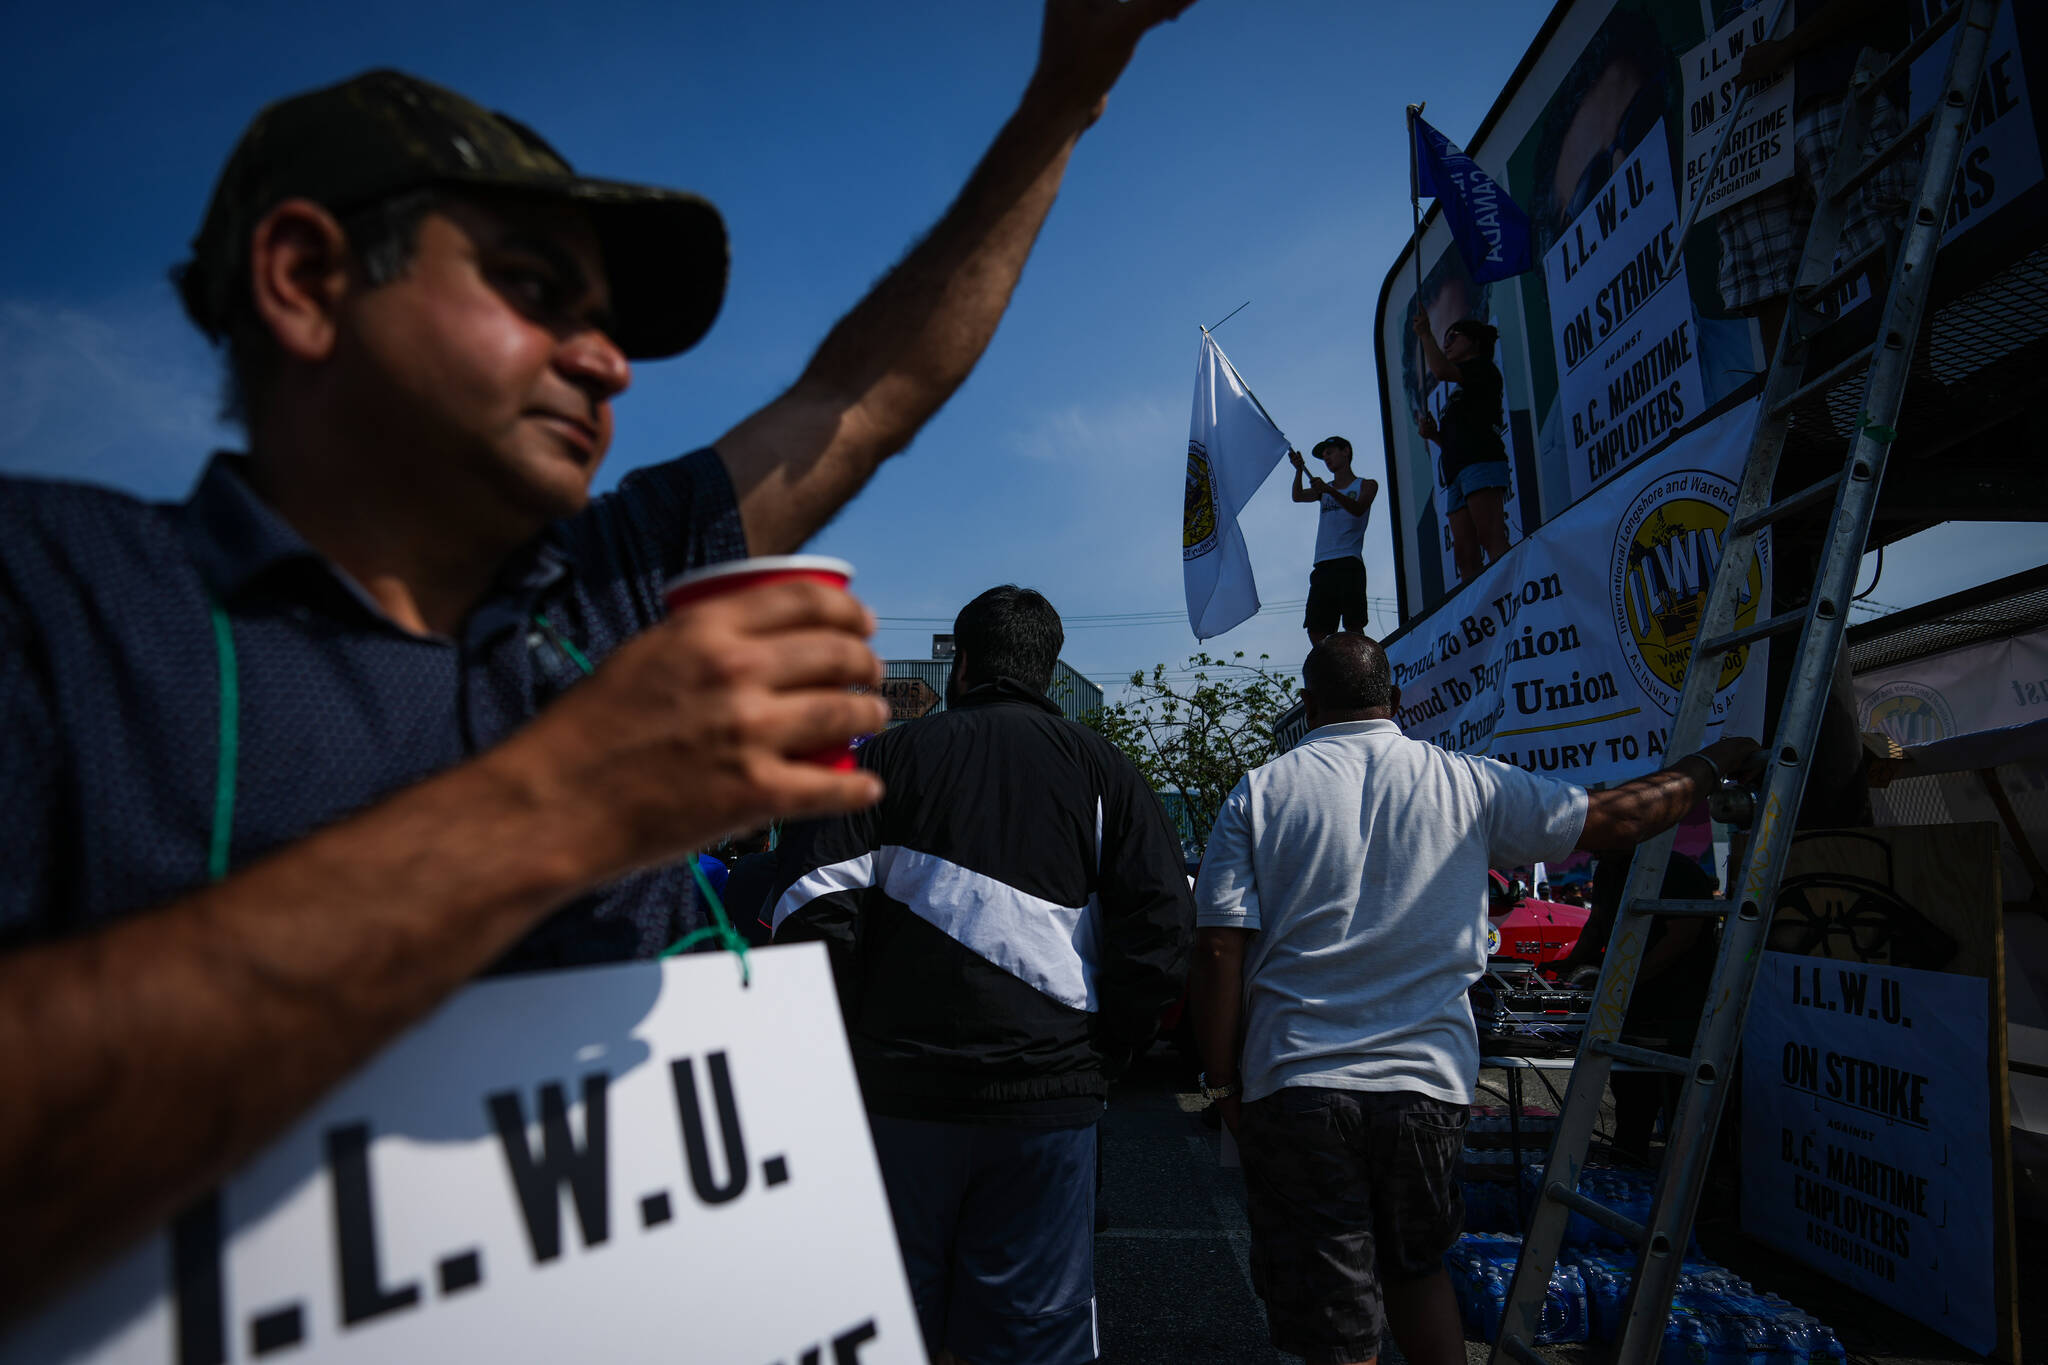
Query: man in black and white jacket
(1006, 928)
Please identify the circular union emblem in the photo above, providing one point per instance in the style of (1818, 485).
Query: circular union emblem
(1665, 552)
(1198, 517)
(1910, 712)
(1493, 940)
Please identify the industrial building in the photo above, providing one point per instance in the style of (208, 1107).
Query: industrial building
(917, 687)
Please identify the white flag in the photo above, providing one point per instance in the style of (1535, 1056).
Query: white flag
(1232, 447)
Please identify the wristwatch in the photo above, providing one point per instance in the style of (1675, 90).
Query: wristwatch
(1212, 1093)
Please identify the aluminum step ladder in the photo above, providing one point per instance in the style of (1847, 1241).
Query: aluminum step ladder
(1818, 625)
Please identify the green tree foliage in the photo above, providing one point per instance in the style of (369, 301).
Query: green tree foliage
(1197, 730)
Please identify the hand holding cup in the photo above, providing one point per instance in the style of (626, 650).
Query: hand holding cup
(734, 711)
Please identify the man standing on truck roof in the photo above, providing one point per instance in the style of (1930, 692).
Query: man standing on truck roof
(1336, 584)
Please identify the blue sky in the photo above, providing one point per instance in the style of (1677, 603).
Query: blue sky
(1253, 151)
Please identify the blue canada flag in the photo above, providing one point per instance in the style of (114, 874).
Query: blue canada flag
(1491, 230)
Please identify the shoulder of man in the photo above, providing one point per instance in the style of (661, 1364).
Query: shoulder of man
(1479, 764)
(1020, 721)
(662, 520)
(47, 523)
(32, 501)
(1498, 778)
(1075, 732)
(1304, 773)
(1118, 773)
(922, 740)
(890, 745)
(1282, 768)
(1385, 745)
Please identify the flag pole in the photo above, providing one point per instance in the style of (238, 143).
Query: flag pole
(1229, 315)
(1414, 241)
(1415, 202)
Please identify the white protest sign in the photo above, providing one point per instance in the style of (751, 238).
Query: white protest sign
(1567, 656)
(1979, 687)
(2002, 157)
(1759, 151)
(644, 1162)
(1628, 362)
(1866, 1145)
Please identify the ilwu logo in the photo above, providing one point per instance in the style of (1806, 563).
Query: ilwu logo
(1198, 518)
(1910, 712)
(1666, 550)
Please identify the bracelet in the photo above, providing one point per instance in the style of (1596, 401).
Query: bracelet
(1712, 767)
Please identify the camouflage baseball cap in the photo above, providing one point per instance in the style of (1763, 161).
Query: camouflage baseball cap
(385, 133)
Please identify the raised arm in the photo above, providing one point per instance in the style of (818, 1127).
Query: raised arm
(1433, 355)
(144, 1061)
(899, 355)
(1302, 491)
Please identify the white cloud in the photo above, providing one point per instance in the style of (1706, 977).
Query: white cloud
(125, 396)
(1102, 438)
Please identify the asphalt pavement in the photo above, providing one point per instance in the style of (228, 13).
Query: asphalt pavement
(1172, 1261)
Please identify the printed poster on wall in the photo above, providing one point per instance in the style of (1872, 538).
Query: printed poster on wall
(643, 1162)
(1866, 1145)
(1627, 349)
(1568, 656)
(1759, 150)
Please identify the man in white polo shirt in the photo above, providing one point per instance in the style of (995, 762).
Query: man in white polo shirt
(1341, 917)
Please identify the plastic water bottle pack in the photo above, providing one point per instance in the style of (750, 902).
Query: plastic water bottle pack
(1718, 1328)
(1482, 1265)
(1717, 1318)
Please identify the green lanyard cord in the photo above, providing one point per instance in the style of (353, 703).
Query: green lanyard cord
(230, 744)
(721, 928)
(220, 846)
(562, 642)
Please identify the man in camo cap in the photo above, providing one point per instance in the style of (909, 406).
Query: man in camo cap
(289, 762)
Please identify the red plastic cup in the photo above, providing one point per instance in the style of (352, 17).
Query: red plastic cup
(735, 575)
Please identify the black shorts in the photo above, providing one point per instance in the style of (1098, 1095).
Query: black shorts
(1336, 590)
(1346, 1190)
